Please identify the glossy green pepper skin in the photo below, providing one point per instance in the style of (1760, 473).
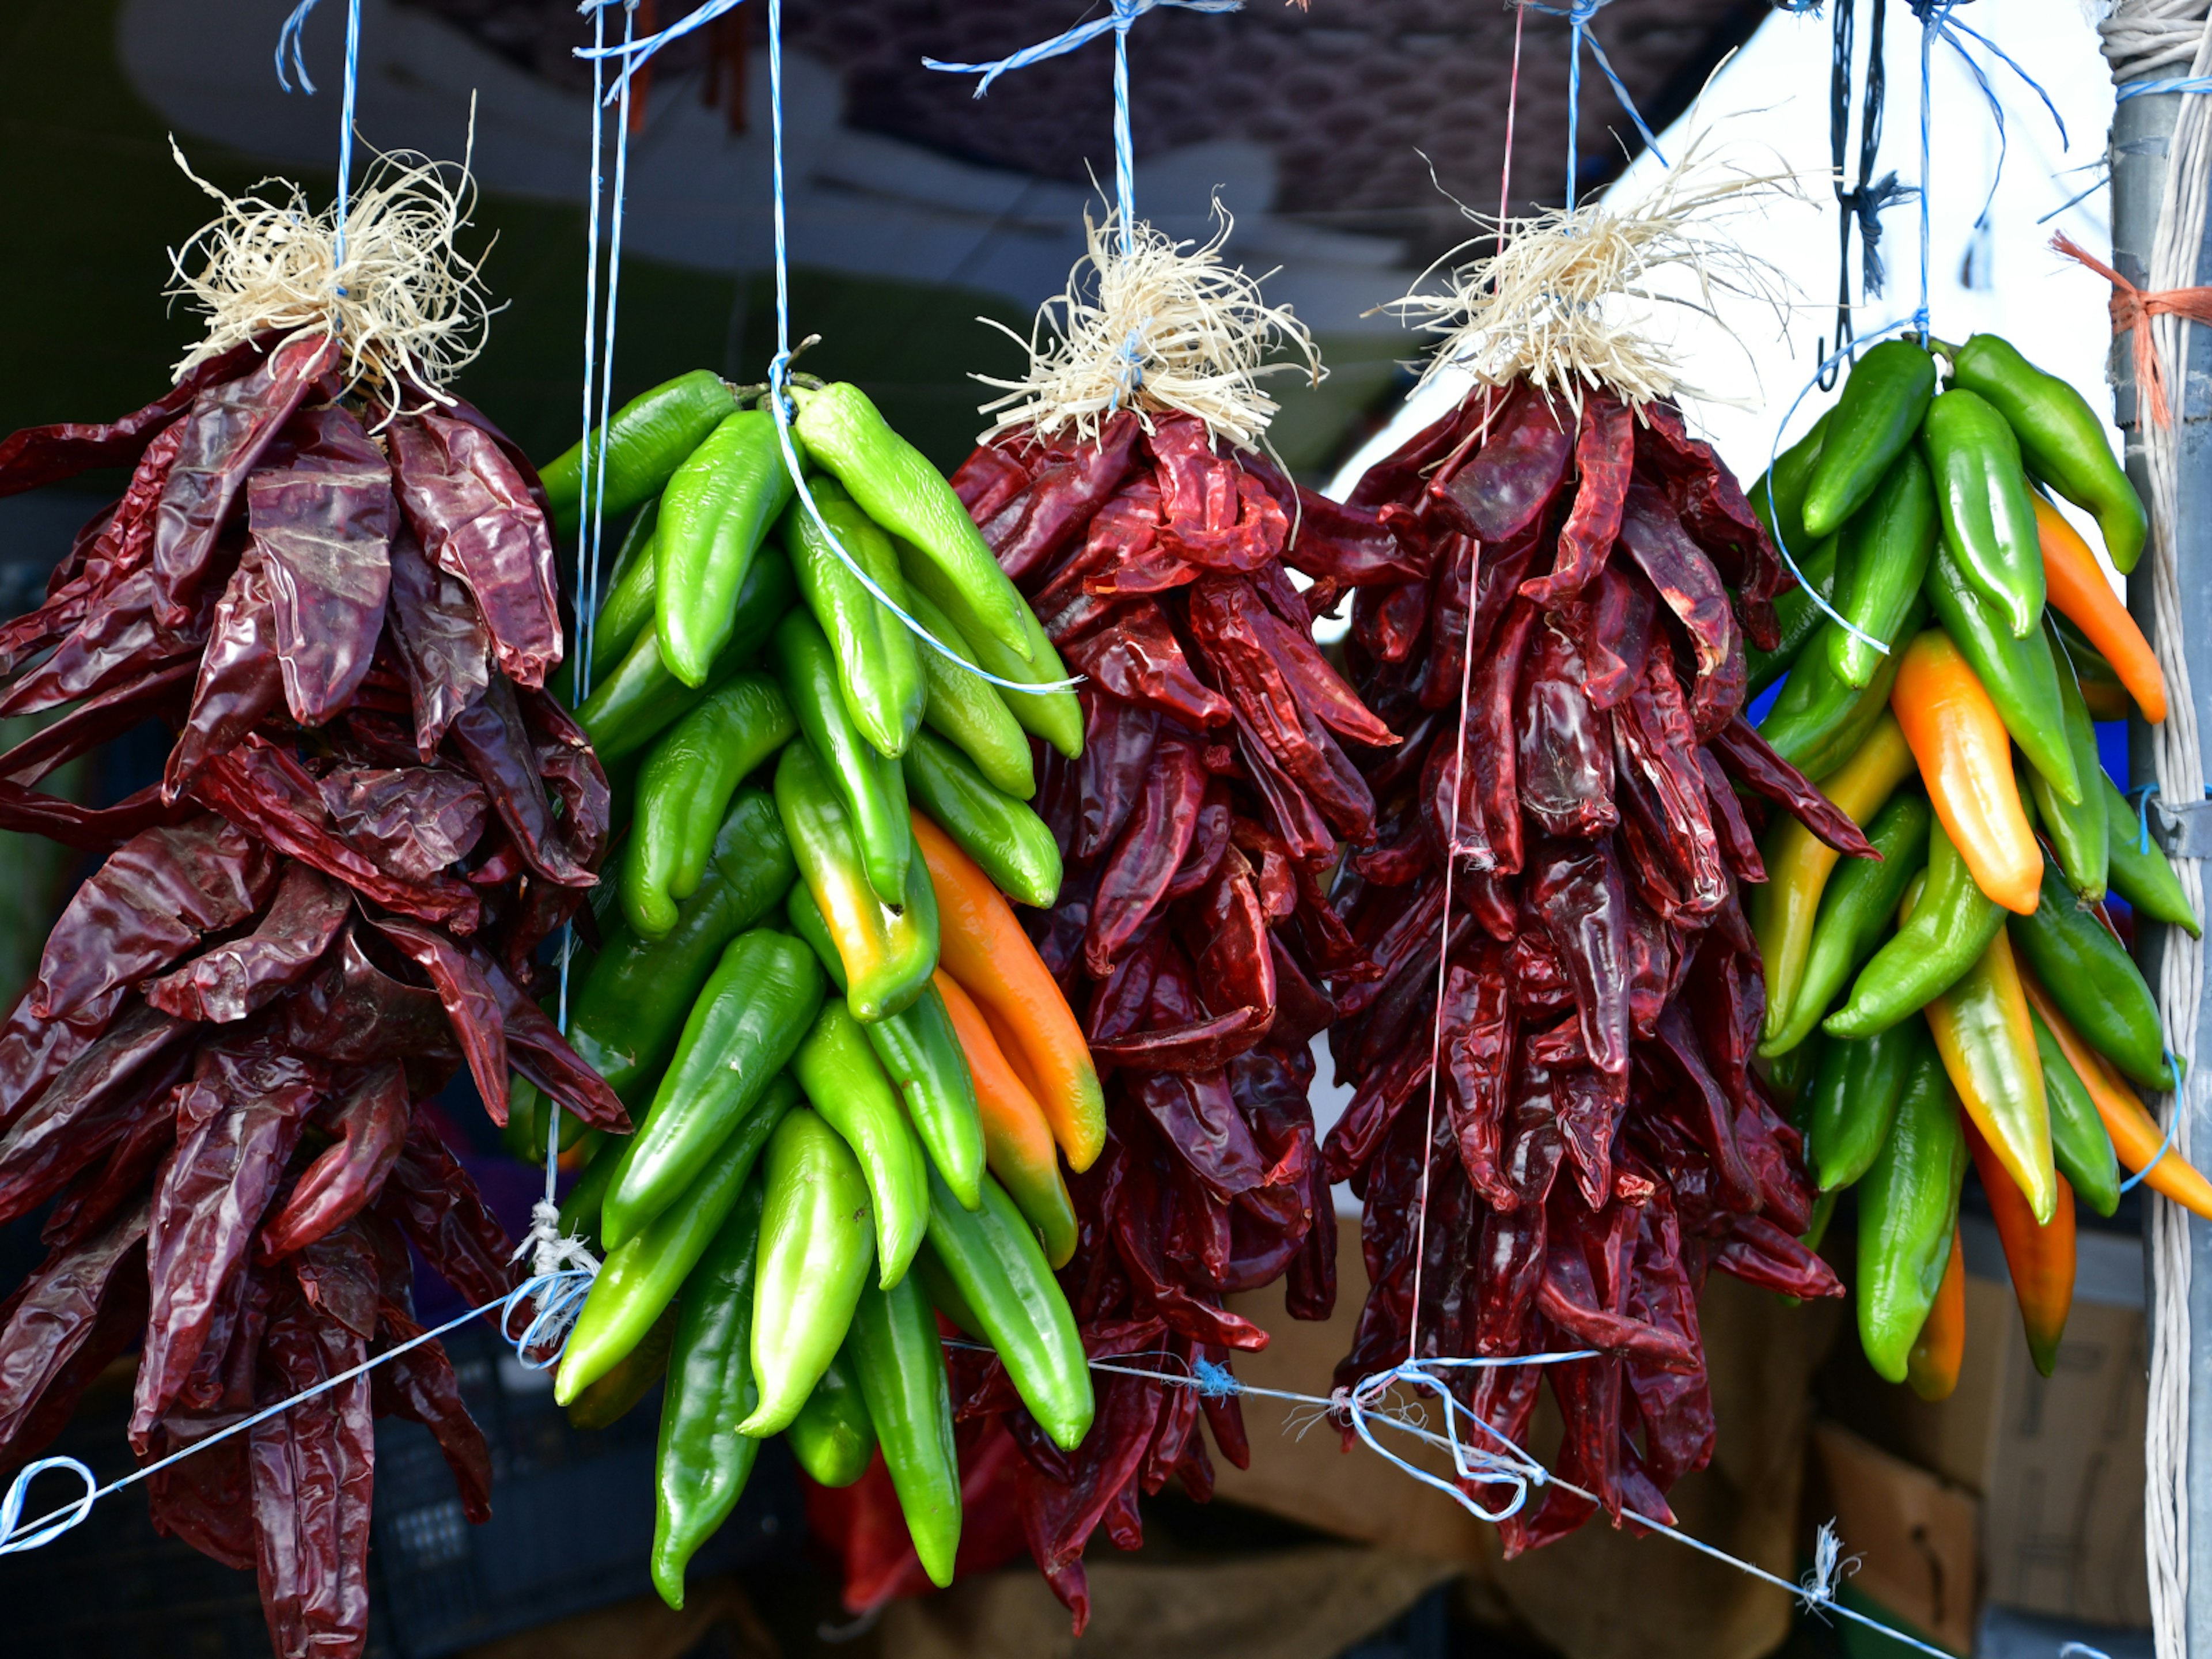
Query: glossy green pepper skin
(2061, 436)
(817, 1243)
(2138, 870)
(1818, 722)
(2080, 1146)
(1055, 716)
(1874, 422)
(741, 1033)
(619, 1391)
(877, 670)
(642, 699)
(2078, 829)
(626, 1018)
(1988, 515)
(833, 1437)
(899, 1360)
(1894, 536)
(1853, 1097)
(2095, 982)
(642, 1273)
(888, 954)
(1796, 618)
(944, 1295)
(1858, 911)
(872, 788)
(897, 487)
(714, 514)
(838, 1070)
(966, 710)
(627, 611)
(702, 1462)
(2020, 675)
(579, 1210)
(994, 1259)
(1951, 925)
(1009, 842)
(644, 442)
(685, 787)
(921, 1053)
(1777, 495)
(1908, 1212)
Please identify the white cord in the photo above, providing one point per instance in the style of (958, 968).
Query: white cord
(2142, 35)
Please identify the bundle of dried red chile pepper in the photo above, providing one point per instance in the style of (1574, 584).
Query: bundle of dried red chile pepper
(1586, 579)
(371, 817)
(1199, 830)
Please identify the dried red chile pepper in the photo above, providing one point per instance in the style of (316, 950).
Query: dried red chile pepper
(1601, 997)
(370, 818)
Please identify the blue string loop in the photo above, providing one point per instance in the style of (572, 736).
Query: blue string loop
(48, 1528)
(1501, 1464)
(1579, 13)
(2165, 1145)
(2141, 795)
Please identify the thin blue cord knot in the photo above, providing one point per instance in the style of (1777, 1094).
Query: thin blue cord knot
(1214, 1382)
(18, 1490)
(1118, 21)
(561, 1298)
(1866, 206)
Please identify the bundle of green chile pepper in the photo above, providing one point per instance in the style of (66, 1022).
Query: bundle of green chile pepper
(810, 1162)
(1967, 990)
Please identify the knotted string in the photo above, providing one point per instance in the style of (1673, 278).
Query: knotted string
(288, 44)
(1830, 1564)
(2132, 309)
(1579, 13)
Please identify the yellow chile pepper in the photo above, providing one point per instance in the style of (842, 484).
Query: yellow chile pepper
(1987, 1043)
(1798, 864)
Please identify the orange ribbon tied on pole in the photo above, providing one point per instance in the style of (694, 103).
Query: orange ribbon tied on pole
(2132, 308)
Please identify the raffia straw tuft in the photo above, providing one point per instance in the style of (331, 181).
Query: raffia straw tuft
(408, 308)
(1573, 301)
(1167, 327)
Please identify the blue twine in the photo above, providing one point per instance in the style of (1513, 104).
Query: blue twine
(1937, 23)
(2145, 89)
(1579, 13)
(1118, 23)
(288, 43)
(636, 53)
(2141, 795)
(1214, 1382)
(18, 1536)
(2164, 1147)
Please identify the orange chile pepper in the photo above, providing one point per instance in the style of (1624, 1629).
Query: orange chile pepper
(1987, 1041)
(2136, 1134)
(1966, 761)
(2040, 1258)
(982, 945)
(1018, 1142)
(2080, 593)
(1932, 1367)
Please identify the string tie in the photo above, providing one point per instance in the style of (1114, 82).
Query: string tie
(1579, 13)
(1865, 204)
(1118, 21)
(2132, 310)
(1214, 1382)
(1817, 1591)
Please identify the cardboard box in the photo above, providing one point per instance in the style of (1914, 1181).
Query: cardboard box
(1914, 1535)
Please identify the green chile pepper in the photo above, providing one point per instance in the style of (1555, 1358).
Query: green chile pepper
(838, 1070)
(1778, 496)
(1858, 911)
(717, 510)
(888, 954)
(877, 670)
(816, 1244)
(2078, 830)
(1818, 722)
(2138, 869)
(739, 1036)
(2079, 1142)
(2095, 983)
(1908, 1212)
(684, 788)
(627, 611)
(1789, 1076)
(702, 1463)
(806, 919)
(1055, 716)
(626, 1018)
(617, 1394)
(966, 710)
(1988, 517)
(1895, 536)
(833, 1436)
(1873, 423)
(871, 786)
(944, 1295)
(2061, 436)
(994, 1258)
(642, 1273)
(644, 442)
(894, 486)
(1796, 618)
(1009, 842)
(1952, 924)
(2020, 675)
(1854, 1100)
(579, 1210)
(641, 698)
(899, 1360)
(920, 1052)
